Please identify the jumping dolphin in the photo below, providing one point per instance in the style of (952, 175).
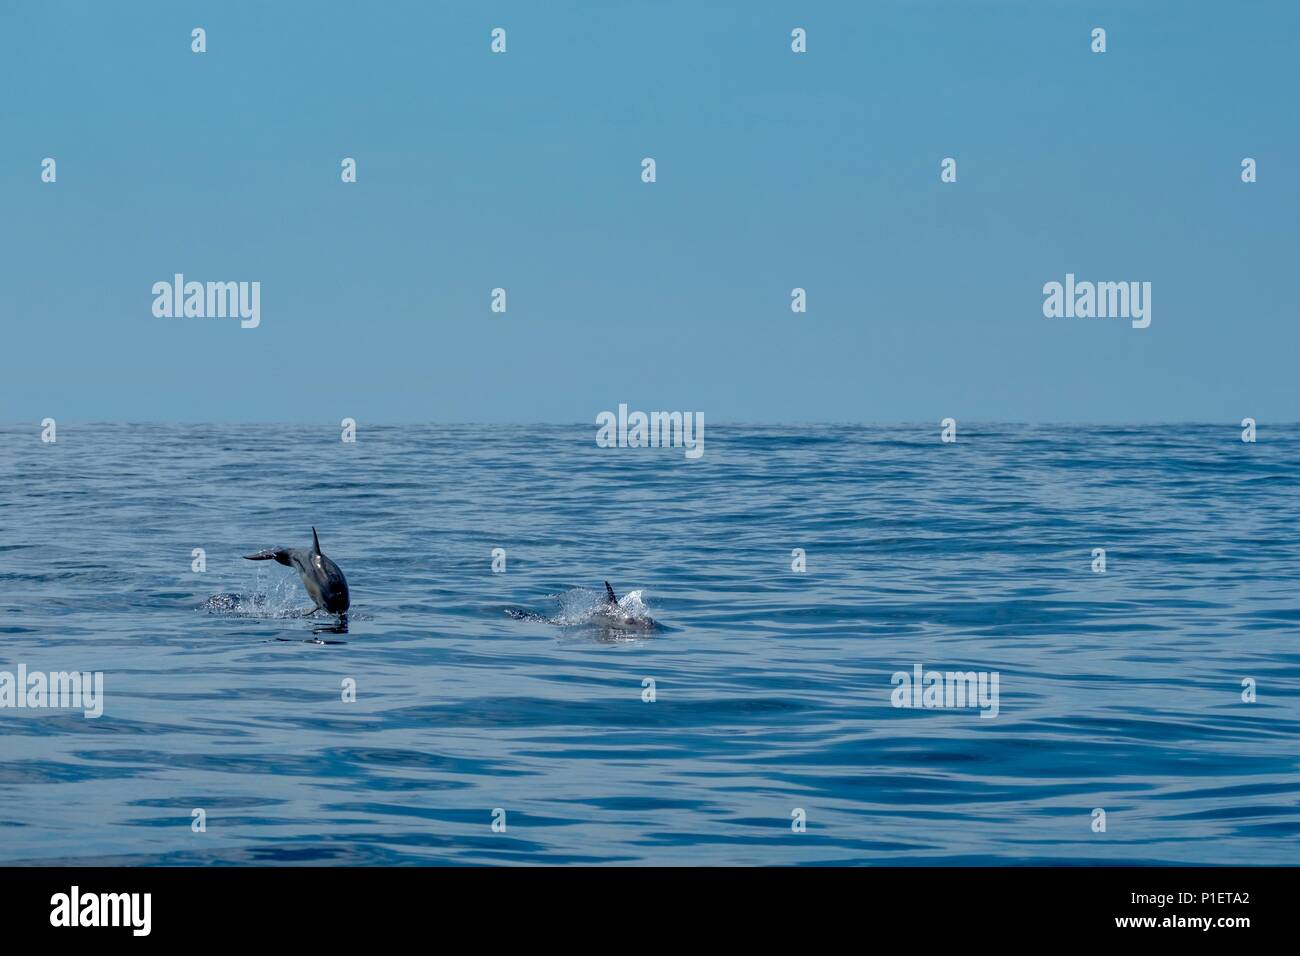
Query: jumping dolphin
(321, 577)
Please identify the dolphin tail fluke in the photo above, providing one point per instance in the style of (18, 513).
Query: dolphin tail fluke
(609, 594)
(278, 555)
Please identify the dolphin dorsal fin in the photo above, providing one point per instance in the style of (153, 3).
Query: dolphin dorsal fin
(315, 542)
(609, 594)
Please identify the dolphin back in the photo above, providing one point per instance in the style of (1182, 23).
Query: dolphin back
(337, 598)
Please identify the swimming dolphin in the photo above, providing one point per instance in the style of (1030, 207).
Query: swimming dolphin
(611, 609)
(321, 577)
(609, 616)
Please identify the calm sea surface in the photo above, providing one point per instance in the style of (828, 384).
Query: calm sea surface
(1120, 691)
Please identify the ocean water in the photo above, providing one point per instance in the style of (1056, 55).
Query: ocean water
(478, 690)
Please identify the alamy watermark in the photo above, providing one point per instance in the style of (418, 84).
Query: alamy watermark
(53, 690)
(1100, 300)
(653, 430)
(927, 690)
(209, 300)
(76, 908)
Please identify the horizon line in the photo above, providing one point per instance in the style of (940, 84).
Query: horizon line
(733, 423)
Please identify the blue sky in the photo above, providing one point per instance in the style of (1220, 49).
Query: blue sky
(775, 170)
